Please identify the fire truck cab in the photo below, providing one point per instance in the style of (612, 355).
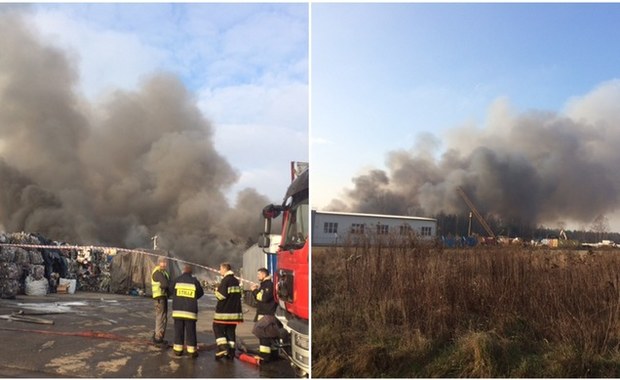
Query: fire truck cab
(292, 269)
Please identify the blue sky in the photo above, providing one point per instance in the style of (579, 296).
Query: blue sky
(247, 65)
(385, 74)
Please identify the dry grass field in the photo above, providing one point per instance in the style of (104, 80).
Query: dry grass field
(424, 311)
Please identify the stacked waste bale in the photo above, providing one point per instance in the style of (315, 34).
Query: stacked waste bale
(9, 278)
(15, 264)
(22, 271)
(19, 267)
(105, 267)
(93, 270)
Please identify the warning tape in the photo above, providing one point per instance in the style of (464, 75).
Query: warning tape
(101, 248)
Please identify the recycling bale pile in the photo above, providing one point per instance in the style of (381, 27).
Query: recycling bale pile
(92, 269)
(37, 271)
(9, 279)
(19, 266)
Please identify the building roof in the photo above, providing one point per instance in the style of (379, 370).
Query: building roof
(375, 215)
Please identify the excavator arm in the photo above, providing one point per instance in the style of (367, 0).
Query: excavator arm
(473, 209)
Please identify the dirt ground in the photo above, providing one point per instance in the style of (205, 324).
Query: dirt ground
(108, 335)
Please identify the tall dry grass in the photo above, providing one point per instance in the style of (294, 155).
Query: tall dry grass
(419, 310)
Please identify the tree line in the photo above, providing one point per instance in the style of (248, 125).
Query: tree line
(463, 225)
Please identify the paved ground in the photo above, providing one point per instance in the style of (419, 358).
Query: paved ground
(107, 335)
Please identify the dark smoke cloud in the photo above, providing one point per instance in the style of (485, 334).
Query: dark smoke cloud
(535, 167)
(116, 172)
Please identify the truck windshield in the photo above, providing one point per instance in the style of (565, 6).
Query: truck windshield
(296, 231)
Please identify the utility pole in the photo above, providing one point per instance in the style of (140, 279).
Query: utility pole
(469, 226)
(154, 238)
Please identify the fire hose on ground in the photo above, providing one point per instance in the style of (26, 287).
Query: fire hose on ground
(104, 335)
(99, 335)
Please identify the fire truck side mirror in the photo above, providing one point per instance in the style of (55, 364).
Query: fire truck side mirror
(272, 211)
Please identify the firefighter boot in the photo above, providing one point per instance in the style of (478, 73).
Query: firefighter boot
(264, 356)
(192, 351)
(178, 349)
(231, 353)
(222, 352)
(264, 349)
(275, 351)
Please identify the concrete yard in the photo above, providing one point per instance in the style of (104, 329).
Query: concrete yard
(109, 335)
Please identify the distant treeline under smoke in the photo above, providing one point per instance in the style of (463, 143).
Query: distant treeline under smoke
(137, 164)
(529, 168)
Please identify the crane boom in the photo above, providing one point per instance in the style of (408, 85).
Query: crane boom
(473, 209)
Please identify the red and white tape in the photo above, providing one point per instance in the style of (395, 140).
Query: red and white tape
(100, 248)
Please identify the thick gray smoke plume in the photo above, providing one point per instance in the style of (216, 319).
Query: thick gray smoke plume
(118, 172)
(531, 168)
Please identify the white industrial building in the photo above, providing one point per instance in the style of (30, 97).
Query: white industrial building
(334, 228)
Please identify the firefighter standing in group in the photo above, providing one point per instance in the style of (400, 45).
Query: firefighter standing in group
(159, 286)
(265, 309)
(186, 290)
(228, 313)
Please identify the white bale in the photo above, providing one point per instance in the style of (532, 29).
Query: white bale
(71, 282)
(36, 287)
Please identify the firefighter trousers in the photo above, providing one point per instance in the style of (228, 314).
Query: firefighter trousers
(185, 333)
(225, 337)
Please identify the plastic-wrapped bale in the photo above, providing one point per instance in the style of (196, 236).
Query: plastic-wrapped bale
(84, 257)
(73, 268)
(35, 257)
(9, 271)
(9, 289)
(9, 280)
(88, 278)
(36, 287)
(37, 271)
(32, 239)
(21, 257)
(92, 271)
(104, 283)
(23, 238)
(7, 254)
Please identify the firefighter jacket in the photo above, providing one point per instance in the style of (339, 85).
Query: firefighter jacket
(186, 291)
(159, 282)
(228, 307)
(266, 304)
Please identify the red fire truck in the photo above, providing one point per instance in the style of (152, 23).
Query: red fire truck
(291, 270)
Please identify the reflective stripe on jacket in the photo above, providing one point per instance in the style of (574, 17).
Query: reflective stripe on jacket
(228, 308)
(264, 296)
(186, 291)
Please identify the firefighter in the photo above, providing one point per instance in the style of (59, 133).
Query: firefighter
(186, 290)
(228, 313)
(266, 308)
(159, 282)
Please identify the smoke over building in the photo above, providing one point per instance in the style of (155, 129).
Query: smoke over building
(534, 167)
(116, 171)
